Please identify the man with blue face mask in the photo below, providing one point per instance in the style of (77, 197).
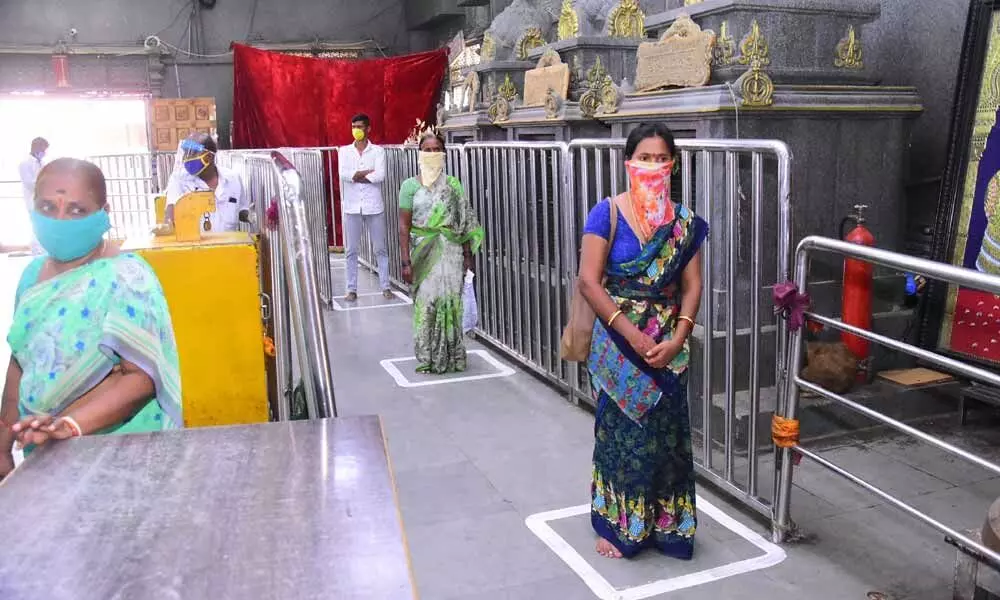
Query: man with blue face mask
(196, 171)
(29, 169)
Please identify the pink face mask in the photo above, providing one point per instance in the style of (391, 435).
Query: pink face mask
(650, 195)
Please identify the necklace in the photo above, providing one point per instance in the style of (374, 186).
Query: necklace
(635, 229)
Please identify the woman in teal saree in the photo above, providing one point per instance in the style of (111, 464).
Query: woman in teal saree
(92, 345)
(642, 492)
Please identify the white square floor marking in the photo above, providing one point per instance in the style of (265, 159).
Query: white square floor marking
(341, 305)
(390, 367)
(539, 525)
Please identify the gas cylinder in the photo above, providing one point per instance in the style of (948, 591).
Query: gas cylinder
(857, 299)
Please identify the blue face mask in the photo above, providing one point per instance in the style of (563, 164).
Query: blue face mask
(196, 165)
(67, 240)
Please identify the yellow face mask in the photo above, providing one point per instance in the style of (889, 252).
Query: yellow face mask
(358, 133)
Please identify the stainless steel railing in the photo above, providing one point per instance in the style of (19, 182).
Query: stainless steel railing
(309, 164)
(131, 189)
(782, 523)
(518, 191)
(308, 332)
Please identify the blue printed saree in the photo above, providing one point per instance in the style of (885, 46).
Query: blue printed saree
(643, 492)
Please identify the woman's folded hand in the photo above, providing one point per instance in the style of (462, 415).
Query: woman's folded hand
(38, 430)
(664, 352)
(641, 343)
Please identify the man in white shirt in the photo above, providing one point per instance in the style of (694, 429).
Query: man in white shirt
(197, 171)
(29, 168)
(362, 171)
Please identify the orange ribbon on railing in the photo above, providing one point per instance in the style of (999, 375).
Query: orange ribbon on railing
(269, 346)
(784, 432)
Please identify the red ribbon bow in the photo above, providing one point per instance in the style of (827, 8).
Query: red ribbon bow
(791, 304)
(271, 215)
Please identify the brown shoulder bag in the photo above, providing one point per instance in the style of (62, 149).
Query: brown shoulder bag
(576, 337)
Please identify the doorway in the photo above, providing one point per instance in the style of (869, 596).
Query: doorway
(78, 127)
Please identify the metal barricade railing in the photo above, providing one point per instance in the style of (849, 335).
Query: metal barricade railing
(260, 182)
(518, 192)
(163, 166)
(309, 164)
(290, 280)
(131, 189)
(740, 262)
(303, 293)
(933, 270)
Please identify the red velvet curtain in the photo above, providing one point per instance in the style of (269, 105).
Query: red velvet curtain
(291, 101)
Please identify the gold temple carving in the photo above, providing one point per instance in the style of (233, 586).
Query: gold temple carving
(848, 53)
(531, 39)
(569, 22)
(725, 47)
(488, 51)
(627, 21)
(601, 96)
(755, 85)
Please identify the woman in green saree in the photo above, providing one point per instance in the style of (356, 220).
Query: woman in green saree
(438, 235)
(92, 345)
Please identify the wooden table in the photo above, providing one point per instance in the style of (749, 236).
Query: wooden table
(300, 510)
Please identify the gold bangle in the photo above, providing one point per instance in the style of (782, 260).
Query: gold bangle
(77, 430)
(688, 319)
(617, 314)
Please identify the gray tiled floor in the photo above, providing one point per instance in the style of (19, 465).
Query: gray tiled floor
(474, 459)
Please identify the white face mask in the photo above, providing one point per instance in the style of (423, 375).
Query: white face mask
(431, 166)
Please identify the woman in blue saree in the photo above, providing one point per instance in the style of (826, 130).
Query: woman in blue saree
(645, 290)
(92, 345)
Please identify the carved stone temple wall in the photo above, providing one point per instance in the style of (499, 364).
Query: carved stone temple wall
(791, 70)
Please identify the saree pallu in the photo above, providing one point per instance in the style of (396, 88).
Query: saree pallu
(643, 488)
(442, 222)
(69, 332)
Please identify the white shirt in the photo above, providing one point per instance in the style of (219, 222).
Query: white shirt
(229, 196)
(29, 169)
(361, 198)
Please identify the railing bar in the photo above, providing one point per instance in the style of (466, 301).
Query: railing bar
(899, 426)
(909, 264)
(756, 233)
(755, 503)
(926, 355)
(708, 324)
(732, 234)
(988, 555)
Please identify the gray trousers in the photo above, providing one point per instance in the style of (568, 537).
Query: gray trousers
(375, 224)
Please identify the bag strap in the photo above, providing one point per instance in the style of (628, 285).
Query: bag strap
(614, 226)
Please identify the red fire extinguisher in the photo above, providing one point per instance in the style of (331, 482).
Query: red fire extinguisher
(857, 300)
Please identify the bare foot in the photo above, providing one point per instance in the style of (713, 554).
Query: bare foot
(606, 549)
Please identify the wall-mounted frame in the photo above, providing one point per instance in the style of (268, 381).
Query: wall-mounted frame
(957, 321)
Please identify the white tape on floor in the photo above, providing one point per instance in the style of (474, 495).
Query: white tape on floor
(390, 367)
(539, 525)
(340, 305)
